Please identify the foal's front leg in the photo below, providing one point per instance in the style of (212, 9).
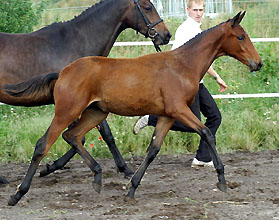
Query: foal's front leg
(210, 139)
(186, 116)
(162, 128)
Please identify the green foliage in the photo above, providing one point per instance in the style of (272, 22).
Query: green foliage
(270, 57)
(18, 16)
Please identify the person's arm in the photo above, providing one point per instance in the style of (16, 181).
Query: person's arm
(222, 84)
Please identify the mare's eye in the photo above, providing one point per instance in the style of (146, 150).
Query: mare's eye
(148, 8)
(240, 38)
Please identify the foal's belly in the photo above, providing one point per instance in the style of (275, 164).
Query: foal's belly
(132, 107)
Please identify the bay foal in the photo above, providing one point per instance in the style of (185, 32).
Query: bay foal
(163, 83)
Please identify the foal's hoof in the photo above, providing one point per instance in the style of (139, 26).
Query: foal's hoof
(223, 187)
(97, 187)
(12, 201)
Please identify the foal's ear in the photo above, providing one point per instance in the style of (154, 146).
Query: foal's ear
(238, 18)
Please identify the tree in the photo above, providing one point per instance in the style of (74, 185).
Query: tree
(18, 16)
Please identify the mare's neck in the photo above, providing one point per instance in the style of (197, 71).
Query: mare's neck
(94, 32)
(198, 54)
(102, 26)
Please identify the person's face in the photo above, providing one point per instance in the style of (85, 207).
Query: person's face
(196, 11)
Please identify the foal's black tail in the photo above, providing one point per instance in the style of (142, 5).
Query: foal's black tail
(33, 92)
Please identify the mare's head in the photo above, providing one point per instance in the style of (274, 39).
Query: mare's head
(238, 44)
(143, 17)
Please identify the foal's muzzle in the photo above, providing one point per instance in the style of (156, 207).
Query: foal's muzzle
(255, 66)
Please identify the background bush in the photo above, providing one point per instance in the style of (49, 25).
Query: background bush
(18, 16)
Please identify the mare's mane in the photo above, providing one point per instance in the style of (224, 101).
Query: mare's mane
(96, 9)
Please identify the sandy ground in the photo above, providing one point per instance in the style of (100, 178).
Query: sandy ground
(170, 189)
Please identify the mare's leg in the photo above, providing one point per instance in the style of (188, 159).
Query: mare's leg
(162, 128)
(105, 131)
(91, 117)
(62, 161)
(108, 138)
(58, 164)
(186, 116)
(42, 147)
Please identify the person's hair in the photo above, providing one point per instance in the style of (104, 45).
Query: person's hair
(190, 2)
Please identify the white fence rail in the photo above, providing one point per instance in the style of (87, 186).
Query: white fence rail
(148, 43)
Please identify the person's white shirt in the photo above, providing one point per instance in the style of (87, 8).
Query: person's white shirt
(185, 32)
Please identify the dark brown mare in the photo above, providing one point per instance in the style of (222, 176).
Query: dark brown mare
(49, 49)
(164, 84)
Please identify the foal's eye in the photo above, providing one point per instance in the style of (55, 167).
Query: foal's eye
(240, 38)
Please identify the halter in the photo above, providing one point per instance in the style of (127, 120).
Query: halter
(148, 24)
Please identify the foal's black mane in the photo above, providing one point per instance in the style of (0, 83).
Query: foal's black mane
(96, 9)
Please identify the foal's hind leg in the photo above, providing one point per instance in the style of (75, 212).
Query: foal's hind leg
(91, 117)
(42, 147)
(108, 138)
(162, 128)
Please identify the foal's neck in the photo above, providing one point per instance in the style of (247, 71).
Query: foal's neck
(199, 53)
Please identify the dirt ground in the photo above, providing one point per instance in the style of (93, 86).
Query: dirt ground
(170, 189)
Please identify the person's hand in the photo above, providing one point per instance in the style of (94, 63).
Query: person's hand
(222, 84)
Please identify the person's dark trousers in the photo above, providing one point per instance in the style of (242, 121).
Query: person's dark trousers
(205, 104)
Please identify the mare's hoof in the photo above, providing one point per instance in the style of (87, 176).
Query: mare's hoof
(223, 187)
(3, 181)
(97, 187)
(45, 171)
(12, 201)
(128, 173)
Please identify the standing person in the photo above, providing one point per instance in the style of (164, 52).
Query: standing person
(204, 102)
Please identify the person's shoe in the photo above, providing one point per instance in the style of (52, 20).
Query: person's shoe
(196, 163)
(140, 123)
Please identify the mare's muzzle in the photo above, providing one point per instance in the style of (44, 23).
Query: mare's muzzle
(151, 32)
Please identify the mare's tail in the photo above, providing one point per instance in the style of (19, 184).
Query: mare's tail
(33, 92)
